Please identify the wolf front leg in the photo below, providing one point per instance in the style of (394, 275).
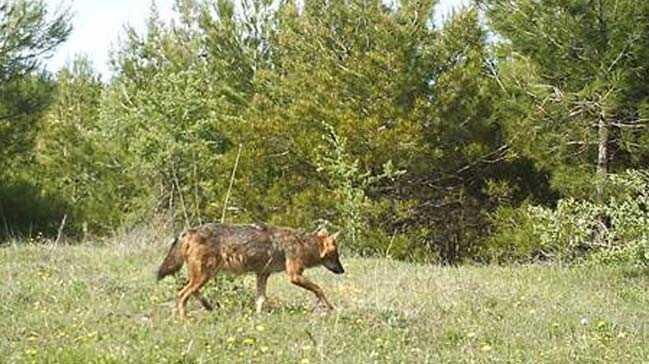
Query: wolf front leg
(262, 278)
(198, 274)
(294, 272)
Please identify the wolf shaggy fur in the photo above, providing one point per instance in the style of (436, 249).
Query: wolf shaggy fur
(240, 249)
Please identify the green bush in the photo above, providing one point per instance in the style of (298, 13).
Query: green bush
(635, 252)
(614, 231)
(350, 183)
(514, 238)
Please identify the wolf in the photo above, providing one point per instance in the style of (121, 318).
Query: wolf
(256, 248)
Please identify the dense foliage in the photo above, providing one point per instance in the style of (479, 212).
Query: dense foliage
(574, 229)
(421, 139)
(28, 32)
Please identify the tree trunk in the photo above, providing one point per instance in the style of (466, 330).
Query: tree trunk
(602, 156)
(602, 171)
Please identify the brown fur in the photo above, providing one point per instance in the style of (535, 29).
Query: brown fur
(240, 249)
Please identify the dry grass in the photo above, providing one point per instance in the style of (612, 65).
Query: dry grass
(99, 302)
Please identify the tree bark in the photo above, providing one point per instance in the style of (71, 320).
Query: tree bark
(602, 155)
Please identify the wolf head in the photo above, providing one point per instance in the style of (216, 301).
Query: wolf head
(329, 251)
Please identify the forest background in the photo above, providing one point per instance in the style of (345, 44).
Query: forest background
(512, 131)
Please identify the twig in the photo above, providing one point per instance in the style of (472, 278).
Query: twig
(315, 344)
(227, 195)
(180, 194)
(387, 251)
(196, 203)
(60, 232)
(494, 73)
(189, 347)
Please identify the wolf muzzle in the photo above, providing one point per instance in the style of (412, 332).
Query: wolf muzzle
(172, 262)
(334, 266)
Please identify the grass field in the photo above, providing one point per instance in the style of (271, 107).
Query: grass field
(99, 302)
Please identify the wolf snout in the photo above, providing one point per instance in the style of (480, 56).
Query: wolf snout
(334, 267)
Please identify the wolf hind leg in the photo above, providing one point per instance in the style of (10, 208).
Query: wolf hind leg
(262, 279)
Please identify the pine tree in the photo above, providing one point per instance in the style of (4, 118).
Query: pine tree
(574, 71)
(28, 34)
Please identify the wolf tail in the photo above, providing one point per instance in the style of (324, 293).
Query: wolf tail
(173, 261)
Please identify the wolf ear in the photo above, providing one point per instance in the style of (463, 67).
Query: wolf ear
(335, 235)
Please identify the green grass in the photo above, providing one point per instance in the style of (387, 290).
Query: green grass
(99, 302)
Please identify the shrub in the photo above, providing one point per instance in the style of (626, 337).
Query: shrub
(350, 183)
(614, 231)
